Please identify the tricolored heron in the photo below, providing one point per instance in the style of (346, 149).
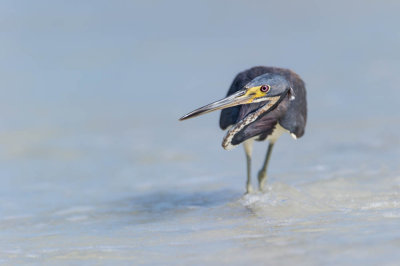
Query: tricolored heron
(261, 104)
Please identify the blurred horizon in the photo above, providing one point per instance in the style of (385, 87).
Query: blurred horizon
(112, 58)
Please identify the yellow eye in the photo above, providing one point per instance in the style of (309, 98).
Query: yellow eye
(265, 88)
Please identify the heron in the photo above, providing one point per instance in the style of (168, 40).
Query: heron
(262, 103)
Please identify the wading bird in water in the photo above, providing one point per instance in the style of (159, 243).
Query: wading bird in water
(262, 103)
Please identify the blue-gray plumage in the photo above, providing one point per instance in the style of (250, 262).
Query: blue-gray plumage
(293, 118)
(261, 104)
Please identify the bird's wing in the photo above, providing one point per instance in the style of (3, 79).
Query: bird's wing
(295, 118)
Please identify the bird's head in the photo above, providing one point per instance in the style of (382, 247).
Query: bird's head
(269, 88)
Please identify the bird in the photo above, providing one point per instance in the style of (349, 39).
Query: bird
(262, 103)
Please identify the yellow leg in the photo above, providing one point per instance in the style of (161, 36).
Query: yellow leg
(262, 174)
(248, 148)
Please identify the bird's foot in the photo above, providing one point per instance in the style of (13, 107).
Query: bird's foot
(262, 178)
(249, 189)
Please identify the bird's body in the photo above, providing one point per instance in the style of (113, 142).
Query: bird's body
(264, 126)
(261, 104)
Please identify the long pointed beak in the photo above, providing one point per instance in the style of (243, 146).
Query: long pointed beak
(237, 98)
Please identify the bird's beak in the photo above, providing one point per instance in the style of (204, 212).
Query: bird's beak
(240, 97)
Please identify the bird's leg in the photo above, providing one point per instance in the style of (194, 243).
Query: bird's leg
(262, 174)
(248, 148)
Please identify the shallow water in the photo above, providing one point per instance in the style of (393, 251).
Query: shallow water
(95, 168)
